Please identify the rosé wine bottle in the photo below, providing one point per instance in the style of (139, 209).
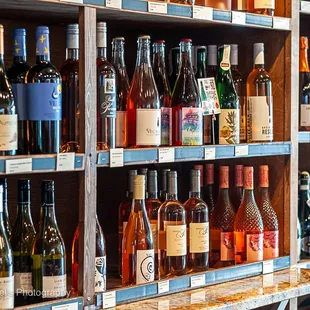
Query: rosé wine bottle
(238, 190)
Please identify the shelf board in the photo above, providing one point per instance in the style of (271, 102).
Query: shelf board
(212, 277)
(73, 303)
(304, 136)
(197, 153)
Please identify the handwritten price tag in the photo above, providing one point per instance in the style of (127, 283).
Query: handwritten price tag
(108, 300)
(65, 161)
(115, 4)
(202, 12)
(18, 165)
(116, 158)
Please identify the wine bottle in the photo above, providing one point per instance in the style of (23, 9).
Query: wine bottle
(172, 249)
(269, 216)
(174, 61)
(8, 116)
(122, 87)
(106, 93)
(228, 123)
(152, 206)
(21, 242)
(248, 227)
(265, 7)
(70, 139)
(44, 99)
(143, 171)
(5, 212)
(238, 186)
(162, 84)
(208, 188)
(138, 244)
(259, 100)
(304, 86)
(187, 120)
(48, 251)
(123, 216)
(222, 225)
(200, 168)
(298, 240)
(239, 5)
(144, 125)
(16, 75)
(75, 261)
(163, 190)
(212, 61)
(198, 227)
(6, 274)
(240, 89)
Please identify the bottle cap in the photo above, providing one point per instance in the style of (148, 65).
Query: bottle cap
(101, 30)
(195, 180)
(200, 168)
(263, 176)
(209, 174)
(164, 173)
(118, 39)
(42, 30)
(42, 41)
(139, 187)
(248, 178)
(259, 53)
(160, 41)
(23, 184)
(234, 54)
(224, 177)
(212, 55)
(19, 42)
(72, 36)
(144, 37)
(304, 43)
(172, 182)
(131, 175)
(19, 32)
(239, 175)
(186, 40)
(152, 181)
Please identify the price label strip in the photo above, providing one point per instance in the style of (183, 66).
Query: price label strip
(65, 161)
(163, 287)
(115, 4)
(209, 96)
(198, 280)
(157, 7)
(166, 155)
(210, 153)
(73, 1)
(18, 165)
(116, 158)
(202, 12)
(108, 300)
(267, 266)
(70, 306)
(241, 150)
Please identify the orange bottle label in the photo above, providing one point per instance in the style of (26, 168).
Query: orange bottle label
(210, 173)
(248, 178)
(271, 244)
(263, 176)
(255, 246)
(227, 246)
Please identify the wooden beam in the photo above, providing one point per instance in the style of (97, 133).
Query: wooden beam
(88, 137)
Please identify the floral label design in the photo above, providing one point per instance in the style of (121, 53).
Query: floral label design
(227, 246)
(100, 274)
(166, 124)
(255, 244)
(271, 244)
(192, 126)
(229, 126)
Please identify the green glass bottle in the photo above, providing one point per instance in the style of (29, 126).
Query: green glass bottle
(48, 251)
(22, 238)
(227, 127)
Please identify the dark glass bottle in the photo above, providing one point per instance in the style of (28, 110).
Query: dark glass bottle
(16, 75)
(8, 116)
(208, 188)
(174, 59)
(70, 97)
(21, 241)
(163, 185)
(212, 61)
(162, 84)
(198, 227)
(122, 87)
(106, 93)
(187, 120)
(239, 186)
(5, 213)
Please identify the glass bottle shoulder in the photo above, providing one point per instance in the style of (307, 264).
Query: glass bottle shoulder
(70, 66)
(258, 76)
(195, 204)
(17, 72)
(44, 72)
(104, 67)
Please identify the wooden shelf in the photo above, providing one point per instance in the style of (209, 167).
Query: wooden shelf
(73, 303)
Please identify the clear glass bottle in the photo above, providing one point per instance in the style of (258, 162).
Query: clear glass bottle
(187, 120)
(200, 168)
(163, 189)
(144, 125)
(172, 248)
(5, 213)
(174, 60)
(208, 188)
(238, 186)
(122, 86)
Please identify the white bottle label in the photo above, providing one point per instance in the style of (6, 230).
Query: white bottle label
(229, 126)
(148, 130)
(227, 246)
(260, 118)
(192, 126)
(121, 125)
(145, 269)
(8, 132)
(166, 126)
(225, 63)
(264, 4)
(305, 114)
(255, 245)
(198, 237)
(54, 286)
(154, 228)
(23, 282)
(176, 240)
(271, 244)
(7, 291)
(100, 274)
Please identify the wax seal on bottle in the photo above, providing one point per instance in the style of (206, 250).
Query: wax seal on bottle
(239, 175)
(209, 174)
(263, 176)
(248, 177)
(224, 177)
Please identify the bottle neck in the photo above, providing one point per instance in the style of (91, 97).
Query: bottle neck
(152, 195)
(42, 48)
(259, 60)
(224, 192)
(303, 61)
(129, 195)
(264, 193)
(102, 53)
(144, 57)
(19, 59)
(48, 214)
(72, 54)
(186, 60)
(159, 60)
(248, 194)
(194, 195)
(1, 60)
(201, 64)
(23, 210)
(118, 58)
(172, 196)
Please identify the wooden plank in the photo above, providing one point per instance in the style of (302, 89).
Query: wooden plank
(88, 179)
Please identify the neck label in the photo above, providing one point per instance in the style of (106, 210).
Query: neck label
(224, 177)
(248, 178)
(225, 63)
(43, 45)
(263, 176)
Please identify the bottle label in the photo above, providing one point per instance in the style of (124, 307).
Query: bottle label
(176, 240)
(227, 246)
(107, 98)
(8, 132)
(305, 244)
(255, 247)
(263, 176)
(166, 126)
(248, 178)
(260, 118)
(7, 291)
(225, 63)
(242, 118)
(100, 274)
(207, 129)
(264, 4)
(121, 126)
(305, 115)
(192, 126)
(229, 126)
(124, 226)
(44, 101)
(271, 244)
(198, 237)
(154, 227)
(20, 94)
(148, 129)
(210, 174)
(145, 271)
(22, 273)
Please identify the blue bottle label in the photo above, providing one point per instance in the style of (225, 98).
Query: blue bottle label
(20, 93)
(107, 98)
(44, 101)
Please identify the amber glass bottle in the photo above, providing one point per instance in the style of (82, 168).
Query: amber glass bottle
(238, 190)
(208, 191)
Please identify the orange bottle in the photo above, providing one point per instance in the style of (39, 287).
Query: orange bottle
(264, 7)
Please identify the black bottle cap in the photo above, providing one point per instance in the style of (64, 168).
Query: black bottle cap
(152, 181)
(195, 181)
(172, 182)
(23, 190)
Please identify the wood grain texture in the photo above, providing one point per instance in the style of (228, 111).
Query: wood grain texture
(88, 178)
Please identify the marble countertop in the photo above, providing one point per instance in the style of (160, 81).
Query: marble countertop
(248, 293)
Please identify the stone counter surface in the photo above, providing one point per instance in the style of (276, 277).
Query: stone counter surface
(241, 294)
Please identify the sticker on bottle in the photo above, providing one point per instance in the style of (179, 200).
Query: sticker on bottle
(166, 126)
(7, 289)
(176, 240)
(22, 282)
(148, 129)
(100, 274)
(209, 96)
(121, 127)
(260, 118)
(107, 97)
(145, 268)
(227, 246)
(20, 97)
(198, 237)
(305, 115)
(225, 63)
(271, 244)
(54, 286)
(154, 227)
(8, 132)
(229, 126)
(192, 126)
(264, 4)
(255, 247)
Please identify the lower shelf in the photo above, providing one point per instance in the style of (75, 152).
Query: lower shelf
(211, 277)
(75, 303)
